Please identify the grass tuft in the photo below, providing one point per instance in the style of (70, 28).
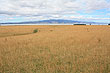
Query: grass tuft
(35, 31)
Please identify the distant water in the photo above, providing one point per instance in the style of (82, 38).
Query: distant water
(45, 24)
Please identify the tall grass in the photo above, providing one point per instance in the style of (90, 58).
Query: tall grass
(67, 49)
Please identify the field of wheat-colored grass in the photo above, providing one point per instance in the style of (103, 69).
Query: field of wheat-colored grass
(55, 49)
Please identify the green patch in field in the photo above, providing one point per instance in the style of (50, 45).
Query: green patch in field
(35, 31)
(22, 70)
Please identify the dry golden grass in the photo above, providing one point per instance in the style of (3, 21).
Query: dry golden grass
(55, 49)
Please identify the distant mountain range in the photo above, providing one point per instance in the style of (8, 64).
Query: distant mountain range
(53, 21)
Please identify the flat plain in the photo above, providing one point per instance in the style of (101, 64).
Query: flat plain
(55, 49)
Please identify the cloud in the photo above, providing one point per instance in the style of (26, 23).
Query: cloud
(34, 7)
(50, 8)
(96, 4)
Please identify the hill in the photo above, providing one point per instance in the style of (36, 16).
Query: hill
(52, 21)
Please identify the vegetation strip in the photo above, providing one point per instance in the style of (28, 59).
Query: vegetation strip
(17, 34)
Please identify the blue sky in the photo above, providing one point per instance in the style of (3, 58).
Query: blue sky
(35, 10)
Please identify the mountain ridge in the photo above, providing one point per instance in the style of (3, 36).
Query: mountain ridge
(53, 21)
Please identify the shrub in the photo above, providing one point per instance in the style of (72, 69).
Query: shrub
(79, 24)
(35, 31)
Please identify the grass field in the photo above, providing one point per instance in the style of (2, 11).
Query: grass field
(55, 49)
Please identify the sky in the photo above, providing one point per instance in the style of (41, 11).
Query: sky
(35, 10)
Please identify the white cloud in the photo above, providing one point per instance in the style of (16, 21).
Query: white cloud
(96, 4)
(50, 8)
